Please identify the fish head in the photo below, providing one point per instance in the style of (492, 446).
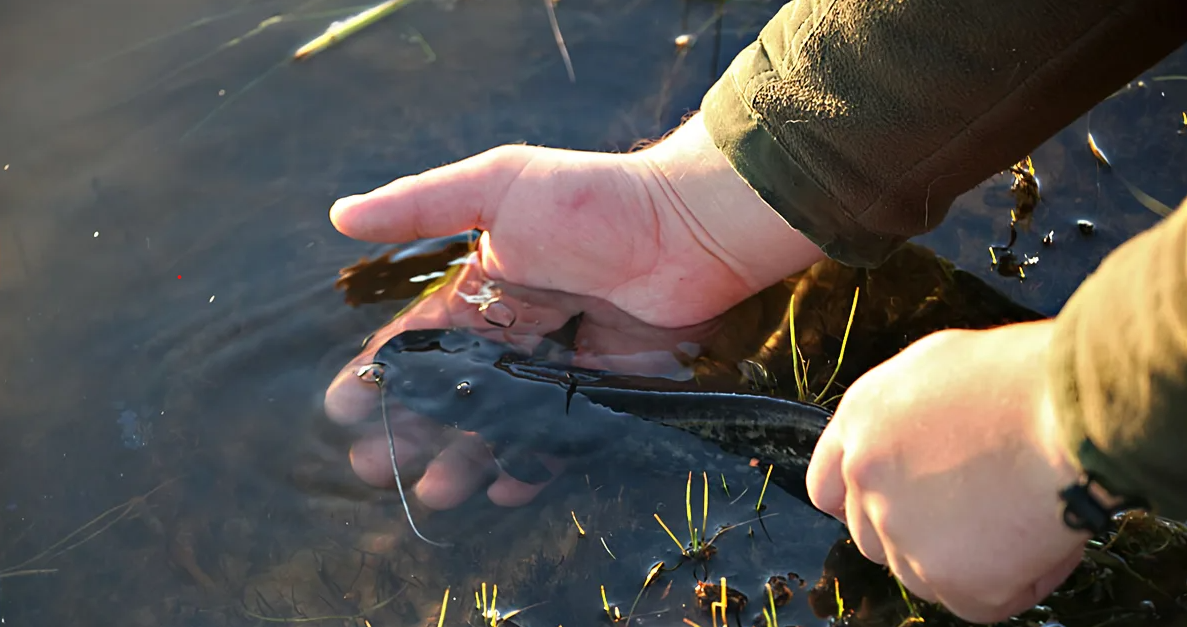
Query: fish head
(444, 374)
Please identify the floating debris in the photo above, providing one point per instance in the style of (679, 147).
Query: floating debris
(684, 41)
(1049, 238)
(490, 611)
(719, 597)
(1008, 263)
(134, 433)
(1025, 188)
(1146, 200)
(607, 547)
(1096, 152)
(779, 590)
(1086, 227)
(418, 39)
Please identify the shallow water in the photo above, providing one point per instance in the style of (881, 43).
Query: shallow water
(167, 313)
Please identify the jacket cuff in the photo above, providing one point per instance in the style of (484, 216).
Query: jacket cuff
(1117, 369)
(741, 133)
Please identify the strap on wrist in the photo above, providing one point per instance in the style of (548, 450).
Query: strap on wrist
(1084, 511)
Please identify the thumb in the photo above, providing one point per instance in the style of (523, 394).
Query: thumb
(437, 203)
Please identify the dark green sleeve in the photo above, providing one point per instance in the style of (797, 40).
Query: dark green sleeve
(1118, 368)
(860, 121)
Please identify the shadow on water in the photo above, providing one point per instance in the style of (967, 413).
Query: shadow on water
(168, 320)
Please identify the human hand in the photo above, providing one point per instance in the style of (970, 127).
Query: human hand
(670, 234)
(452, 464)
(945, 463)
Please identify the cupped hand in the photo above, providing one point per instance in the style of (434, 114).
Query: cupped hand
(670, 234)
(448, 465)
(945, 464)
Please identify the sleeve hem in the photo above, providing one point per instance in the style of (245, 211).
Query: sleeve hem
(740, 133)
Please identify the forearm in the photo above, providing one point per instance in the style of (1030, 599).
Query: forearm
(1118, 369)
(859, 121)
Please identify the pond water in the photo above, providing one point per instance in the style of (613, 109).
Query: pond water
(171, 357)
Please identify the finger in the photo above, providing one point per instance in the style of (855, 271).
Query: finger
(905, 571)
(456, 473)
(370, 459)
(436, 203)
(864, 534)
(826, 483)
(506, 491)
(348, 398)
(1042, 587)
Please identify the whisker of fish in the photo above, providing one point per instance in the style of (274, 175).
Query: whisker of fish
(376, 372)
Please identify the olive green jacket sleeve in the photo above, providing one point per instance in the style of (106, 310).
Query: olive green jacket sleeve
(1118, 368)
(860, 121)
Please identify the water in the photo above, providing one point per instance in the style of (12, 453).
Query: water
(167, 317)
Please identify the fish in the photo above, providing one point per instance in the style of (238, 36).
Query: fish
(524, 405)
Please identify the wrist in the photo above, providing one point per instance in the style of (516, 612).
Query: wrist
(711, 197)
(1059, 469)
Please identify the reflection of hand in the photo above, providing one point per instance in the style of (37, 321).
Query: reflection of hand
(670, 234)
(945, 464)
(456, 464)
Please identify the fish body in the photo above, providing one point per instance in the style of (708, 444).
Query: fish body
(523, 405)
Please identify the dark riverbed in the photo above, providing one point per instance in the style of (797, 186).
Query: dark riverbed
(168, 318)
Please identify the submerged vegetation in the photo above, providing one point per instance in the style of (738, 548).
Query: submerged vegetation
(800, 365)
(1130, 576)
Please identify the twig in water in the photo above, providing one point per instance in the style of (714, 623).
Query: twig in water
(560, 39)
(375, 371)
(351, 25)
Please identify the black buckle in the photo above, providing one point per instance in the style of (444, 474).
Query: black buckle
(1082, 511)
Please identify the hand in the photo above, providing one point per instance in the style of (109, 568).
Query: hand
(670, 234)
(452, 465)
(945, 463)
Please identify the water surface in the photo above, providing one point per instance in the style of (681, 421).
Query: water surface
(167, 313)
